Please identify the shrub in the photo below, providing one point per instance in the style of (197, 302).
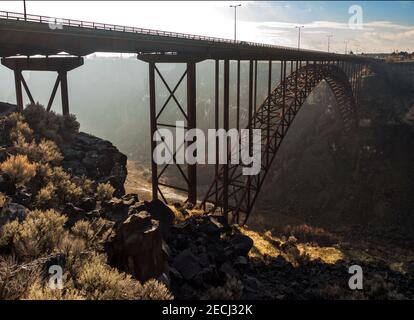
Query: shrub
(85, 184)
(3, 200)
(94, 234)
(96, 280)
(16, 127)
(40, 233)
(155, 290)
(84, 230)
(18, 169)
(15, 280)
(46, 197)
(104, 191)
(65, 189)
(43, 292)
(49, 124)
(48, 152)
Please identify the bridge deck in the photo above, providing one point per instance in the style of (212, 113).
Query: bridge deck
(48, 36)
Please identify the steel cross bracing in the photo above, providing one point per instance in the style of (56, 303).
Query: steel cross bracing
(231, 191)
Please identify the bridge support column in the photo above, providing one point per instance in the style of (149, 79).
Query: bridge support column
(191, 124)
(57, 64)
(64, 91)
(153, 128)
(226, 107)
(190, 177)
(19, 93)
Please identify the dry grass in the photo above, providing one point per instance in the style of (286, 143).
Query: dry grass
(263, 245)
(308, 234)
(181, 214)
(267, 245)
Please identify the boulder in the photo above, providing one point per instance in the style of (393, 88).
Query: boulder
(228, 270)
(187, 264)
(130, 199)
(13, 211)
(22, 197)
(211, 226)
(97, 159)
(6, 186)
(162, 213)
(73, 213)
(87, 204)
(137, 247)
(241, 244)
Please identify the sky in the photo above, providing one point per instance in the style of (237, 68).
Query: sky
(360, 26)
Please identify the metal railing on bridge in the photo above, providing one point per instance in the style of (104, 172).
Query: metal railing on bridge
(112, 27)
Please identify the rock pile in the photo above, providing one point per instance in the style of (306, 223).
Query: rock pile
(203, 254)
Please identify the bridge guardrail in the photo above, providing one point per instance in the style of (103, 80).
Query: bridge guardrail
(112, 27)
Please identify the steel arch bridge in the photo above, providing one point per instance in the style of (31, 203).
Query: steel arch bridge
(235, 193)
(24, 36)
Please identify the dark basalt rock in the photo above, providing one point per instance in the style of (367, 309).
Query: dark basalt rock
(87, 204)
(187, 264)
(22, 197)
(162, 213)
(137, 247)
(13, 211)
(74, 214)
(242, 244)
(97, 159)
(6, 186)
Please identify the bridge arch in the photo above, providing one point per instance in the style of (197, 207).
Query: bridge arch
(274, 118)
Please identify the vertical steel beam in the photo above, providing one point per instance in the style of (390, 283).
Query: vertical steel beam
(255, 91)
(252, 97)
(226, 127)
(296, 86)
(216, 120)
(306, 78)
(191, 115)
(250, 111)
(283, 71)
(269, 90)
(64, 92)
(19, 93)
(238, 96)
(153, 127)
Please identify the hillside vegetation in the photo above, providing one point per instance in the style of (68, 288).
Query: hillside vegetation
(40, 225)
